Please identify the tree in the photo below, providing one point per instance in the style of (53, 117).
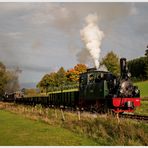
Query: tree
(12, 82)
(146, 52)
(3, 79)
(72, 75)
(146, 63)
(44, 83)
(60, 78)
(30, 92)
(139, 68)
(146, 67)
(81, 68)
(111, 61)
(8, 80)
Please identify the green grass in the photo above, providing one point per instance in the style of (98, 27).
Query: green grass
(16, 130)
(49, 129)
(143, 109)
(143, 86)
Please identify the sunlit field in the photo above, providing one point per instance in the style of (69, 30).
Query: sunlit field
(143, 86)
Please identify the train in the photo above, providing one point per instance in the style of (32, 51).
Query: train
(11, 97)
(99, 91)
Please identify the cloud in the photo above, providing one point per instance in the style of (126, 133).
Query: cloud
(67, 16)
(38, 36)
(37, 68)
(16, 35)
(133, 10)
(33, 68)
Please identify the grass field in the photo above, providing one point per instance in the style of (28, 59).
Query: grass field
(143, 109)
(47, 128)
(143, 86)
(16, 130)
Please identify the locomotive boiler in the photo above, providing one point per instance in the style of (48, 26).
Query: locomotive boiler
(128, 95)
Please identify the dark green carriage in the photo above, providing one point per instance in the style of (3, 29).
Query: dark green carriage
(65, 99)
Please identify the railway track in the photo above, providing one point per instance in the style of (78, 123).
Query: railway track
(137, 117)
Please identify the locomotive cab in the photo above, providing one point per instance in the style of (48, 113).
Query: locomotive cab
(95, 87)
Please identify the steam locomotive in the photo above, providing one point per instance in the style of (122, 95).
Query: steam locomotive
(102, 90)
(98, 91)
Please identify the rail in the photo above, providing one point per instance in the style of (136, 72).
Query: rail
(144, 99)
(137, 117)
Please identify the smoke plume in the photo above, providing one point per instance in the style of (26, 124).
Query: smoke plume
(92, 36)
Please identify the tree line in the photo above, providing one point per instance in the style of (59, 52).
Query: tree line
(61, 79)
(139, 68)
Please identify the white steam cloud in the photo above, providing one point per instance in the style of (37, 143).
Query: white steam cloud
(92, 37)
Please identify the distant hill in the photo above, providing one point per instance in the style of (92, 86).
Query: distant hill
(28, 85)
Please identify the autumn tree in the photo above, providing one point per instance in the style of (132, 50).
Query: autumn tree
(111, 61)
(81, 68)
(61, 79)
(73, 74)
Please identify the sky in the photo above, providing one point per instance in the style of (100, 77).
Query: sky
(39, 38)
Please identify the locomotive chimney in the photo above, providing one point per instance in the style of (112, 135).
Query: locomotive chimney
(123, 68)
